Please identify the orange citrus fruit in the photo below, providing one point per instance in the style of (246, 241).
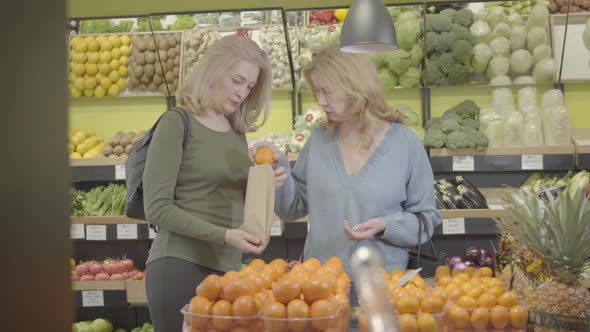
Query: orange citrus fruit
(499, 317)
(480, 318)
(264, 156)
(508, 299)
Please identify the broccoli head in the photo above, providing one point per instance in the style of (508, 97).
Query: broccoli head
(458, 140)
(477, 139)
(438, 22)
(432, 122)
(449, 125)
(467, 109)
(449, 12)
(462, 33)
(434, 76)
(435, 138)
(464, 17)
(445, 61)
(470, 123)
(459, 73)
(444, 42)
(462, 51)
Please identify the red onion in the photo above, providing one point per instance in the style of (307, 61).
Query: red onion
(454, 260)
(460, 266)
(483, 253)
(487, 262)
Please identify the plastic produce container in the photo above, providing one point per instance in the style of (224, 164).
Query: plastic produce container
(407, 322)
(202, 323)
(340, 321)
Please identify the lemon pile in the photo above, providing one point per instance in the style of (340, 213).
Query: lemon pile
(98, 65)
(84, 143)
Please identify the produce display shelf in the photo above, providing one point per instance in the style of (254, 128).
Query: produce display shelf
(535, 158)
(472, 213)
(581, 138)
(97, 162)
(107, 220)
(112, 228)
(136, 292)
(88, 294)
(103, 169)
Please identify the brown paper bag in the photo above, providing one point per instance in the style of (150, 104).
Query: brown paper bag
(260, 201)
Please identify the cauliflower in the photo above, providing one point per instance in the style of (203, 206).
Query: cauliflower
(499, 65)
(435, 138)
(482, 54)
(520, 62)
(481, 31)
(500, 46)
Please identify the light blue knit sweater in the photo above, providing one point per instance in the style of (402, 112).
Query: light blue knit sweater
(395, 183)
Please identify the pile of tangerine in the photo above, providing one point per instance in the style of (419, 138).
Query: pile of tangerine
(478, 301)
(296, 300)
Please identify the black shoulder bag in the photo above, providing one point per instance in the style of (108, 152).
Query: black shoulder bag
(417, 258)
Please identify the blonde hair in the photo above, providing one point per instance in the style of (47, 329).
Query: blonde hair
(357, 75)
(195, 91)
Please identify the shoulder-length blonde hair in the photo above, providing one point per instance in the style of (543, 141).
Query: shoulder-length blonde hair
(357, 76)
(195, 91)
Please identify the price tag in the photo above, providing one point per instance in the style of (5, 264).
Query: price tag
(119, 172)
(93, 298)
(152, 234)
(463, 164)
(583, 141)
(453, 226)
(532, 161)
(126, 231)
(77, 231)
(276, 229)
(96, 232)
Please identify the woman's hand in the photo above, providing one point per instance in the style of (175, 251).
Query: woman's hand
(278, 156)
(364, 231)
(246, 242)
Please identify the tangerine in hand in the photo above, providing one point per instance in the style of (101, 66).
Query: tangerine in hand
(264, 156)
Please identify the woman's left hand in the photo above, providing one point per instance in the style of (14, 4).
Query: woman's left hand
(364, 231)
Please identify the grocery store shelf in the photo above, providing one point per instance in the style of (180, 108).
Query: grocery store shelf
(98, 285)
(581, 138)
(109, 229)
(136, 292)
(473, 213)
(541, 158)
(97, 162)
(107, 220)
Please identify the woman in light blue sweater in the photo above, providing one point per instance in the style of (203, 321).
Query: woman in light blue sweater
(363, 176)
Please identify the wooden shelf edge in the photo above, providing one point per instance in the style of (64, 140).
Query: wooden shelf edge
(136, 294)
(98, 285)
(107, 220)
(97, 162)
(499, 151)
(473, 213)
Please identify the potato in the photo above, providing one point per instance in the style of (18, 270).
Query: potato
(124, 155)
(124, 141)
(107, 150)
(163, 55)
(128, 148)
(118, 150)
(114, 142)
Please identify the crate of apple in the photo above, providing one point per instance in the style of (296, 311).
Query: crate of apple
(109, 269)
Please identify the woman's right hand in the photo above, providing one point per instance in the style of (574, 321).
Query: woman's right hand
(278, 156)
(246, 242)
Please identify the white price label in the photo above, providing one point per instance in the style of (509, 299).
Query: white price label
(463, 164)
(77, 231)
(96, 232)
(93, 298)
(152, 234)
(532, 161)
(583, 141)
(276, 229)
(119, 172)
(453, 226)
(127, 231)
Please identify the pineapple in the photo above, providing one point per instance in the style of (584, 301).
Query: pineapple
(557, 230)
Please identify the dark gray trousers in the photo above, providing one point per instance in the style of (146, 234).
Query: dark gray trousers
(170, 284)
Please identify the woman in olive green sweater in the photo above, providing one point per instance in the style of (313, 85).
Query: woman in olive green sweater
(196, 195)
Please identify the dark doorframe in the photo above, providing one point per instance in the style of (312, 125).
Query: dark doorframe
(34, 173)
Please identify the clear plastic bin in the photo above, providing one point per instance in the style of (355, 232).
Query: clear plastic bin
(407, 322)
(339, 322)
(202, 323)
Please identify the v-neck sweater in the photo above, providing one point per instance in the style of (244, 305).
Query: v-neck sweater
(394, 184)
